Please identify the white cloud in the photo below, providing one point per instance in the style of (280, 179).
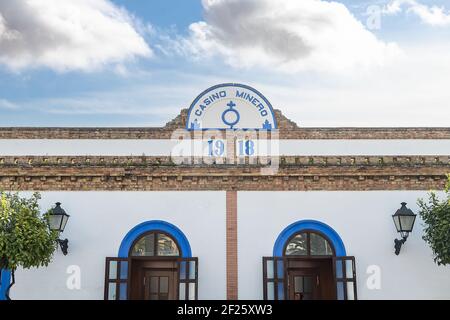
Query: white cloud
(412, 92)
(431, 15)
(289, 36)
(67, 34)
(6, 104)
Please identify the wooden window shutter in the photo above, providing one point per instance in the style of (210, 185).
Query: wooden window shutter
(344, 269)
(116, 278)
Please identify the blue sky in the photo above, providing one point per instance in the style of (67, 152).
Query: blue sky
(145, 62)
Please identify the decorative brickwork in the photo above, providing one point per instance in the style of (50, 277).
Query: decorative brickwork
(232, 246)
(160, 173)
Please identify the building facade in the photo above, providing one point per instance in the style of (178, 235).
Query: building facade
(230, 200)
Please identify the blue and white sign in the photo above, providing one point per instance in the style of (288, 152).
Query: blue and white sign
(231, 106)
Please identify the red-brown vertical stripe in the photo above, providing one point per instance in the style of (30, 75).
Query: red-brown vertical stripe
(232, 249)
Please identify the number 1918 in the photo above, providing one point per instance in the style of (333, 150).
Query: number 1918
(216, 148)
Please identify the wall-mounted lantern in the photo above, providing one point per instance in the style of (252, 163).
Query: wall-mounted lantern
(58, 221)
(404, 222)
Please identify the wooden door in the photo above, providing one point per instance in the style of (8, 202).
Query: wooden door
(159, 285)
(304, 284)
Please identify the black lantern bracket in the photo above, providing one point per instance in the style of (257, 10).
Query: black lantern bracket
(398, 244)
(64, 244)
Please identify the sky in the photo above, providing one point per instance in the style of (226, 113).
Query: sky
(138, 62)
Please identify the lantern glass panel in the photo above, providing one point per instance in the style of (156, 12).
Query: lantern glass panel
(397, 223)
(64, 222)
(55, 222)
(407, 223)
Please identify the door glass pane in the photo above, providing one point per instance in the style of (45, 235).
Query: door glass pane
(182, 270)
(269, 264)
(298, 284)
(339, 270)
(112, 291)
(163, 284)
(307, 284)
(191, 291)
(154, 284)
(349, 268)
(297, 245)
(145, 246)
(123, 270)
(350, 291)
(280, 269)
(123, 291)
(340, 290)
(191, 270)
(182, 292)
(113, 270)
(166, 246)
(270, 290)
(319, 245)
(280, 291)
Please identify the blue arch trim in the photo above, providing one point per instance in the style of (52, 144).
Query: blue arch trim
(4, 283)
(309, 225)
(238, 85)
(155, 225)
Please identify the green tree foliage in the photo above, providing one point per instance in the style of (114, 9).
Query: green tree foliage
(436, 216)
(25, 237)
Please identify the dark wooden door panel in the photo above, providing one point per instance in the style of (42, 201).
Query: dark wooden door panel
(304, 284)
(160, 285)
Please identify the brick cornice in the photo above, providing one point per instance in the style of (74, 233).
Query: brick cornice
(160, 173)
(166, 133)
(380, 161)
(288, 129)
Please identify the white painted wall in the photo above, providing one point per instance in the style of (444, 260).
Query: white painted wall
(99, 221)
(362, 219)
(109, 147)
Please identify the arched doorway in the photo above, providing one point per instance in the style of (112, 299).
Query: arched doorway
(309, 266)
(154, 263)
(309, 263)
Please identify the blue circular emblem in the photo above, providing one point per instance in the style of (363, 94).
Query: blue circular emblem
(231, 110)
